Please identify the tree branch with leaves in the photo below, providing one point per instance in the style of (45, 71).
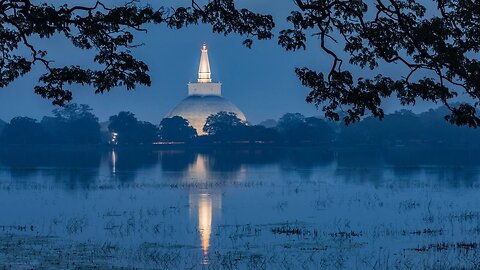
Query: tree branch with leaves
(435, 42)
(110, 32)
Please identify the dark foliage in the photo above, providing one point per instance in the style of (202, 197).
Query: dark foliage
(295, 128)
(131, 131)
(406, 128)
(292, 128)
(225, 126)
(109, 31)
(23, 130)
(436, 42)
(176, 129)
(289, 124)
(263, 134)
(269, 123)
(75, 124)
(2, 125)
(72, 124)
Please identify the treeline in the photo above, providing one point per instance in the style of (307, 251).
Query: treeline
(76, 125)
(406, 128)
(72, 124)
(292, 128)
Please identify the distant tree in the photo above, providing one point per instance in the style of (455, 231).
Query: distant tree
(295, 128)
(405, 127)
(269, 123)
(2, 125)
(131, 131)
(23, 130)
(319, 130)
(290, 125)
(290, 121)
(434, 130)
(176, 129)
(364, 132)
(263, 134)
(147, 132)
(126, 125)
(72, 124)
(400, 127)
(225, 126)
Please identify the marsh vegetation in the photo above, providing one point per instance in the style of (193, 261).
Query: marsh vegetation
(242, 209)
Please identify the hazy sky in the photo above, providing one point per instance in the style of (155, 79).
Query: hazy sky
(260, 81)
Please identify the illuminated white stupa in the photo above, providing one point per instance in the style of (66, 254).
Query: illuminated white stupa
(204, 98)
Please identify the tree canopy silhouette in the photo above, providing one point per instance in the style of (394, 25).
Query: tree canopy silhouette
(225, 126)
(406, 128)
(2, 125)
(434, 45)
(296, 128)
(72, 124)
(23, 130)
(131, 131)
(176, 129)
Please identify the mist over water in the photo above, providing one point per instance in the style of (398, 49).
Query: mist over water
(252, 208)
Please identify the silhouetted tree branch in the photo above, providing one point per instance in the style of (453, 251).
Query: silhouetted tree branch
(109, 31)
(434, 43)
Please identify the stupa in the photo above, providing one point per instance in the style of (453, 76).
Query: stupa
(204, 98)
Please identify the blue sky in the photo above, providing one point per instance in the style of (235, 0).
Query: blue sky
(260, 81)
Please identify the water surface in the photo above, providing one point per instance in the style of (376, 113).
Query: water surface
(239, 209)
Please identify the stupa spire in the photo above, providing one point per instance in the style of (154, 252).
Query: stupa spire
(204, 74)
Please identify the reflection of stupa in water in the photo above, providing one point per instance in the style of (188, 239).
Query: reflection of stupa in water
(204, 200)
(204, 98)
(206, 171)
(204, 175)
(205, 203)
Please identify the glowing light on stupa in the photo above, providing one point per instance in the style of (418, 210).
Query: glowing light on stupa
(204, 74)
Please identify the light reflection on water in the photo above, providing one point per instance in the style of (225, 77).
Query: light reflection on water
(204, 206)
(204, 200)
(256, 208)
(205, 222)
(114, 162)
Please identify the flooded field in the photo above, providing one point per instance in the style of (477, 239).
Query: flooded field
(240, 209)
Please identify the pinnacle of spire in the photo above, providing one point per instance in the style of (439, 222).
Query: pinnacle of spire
(204, 74)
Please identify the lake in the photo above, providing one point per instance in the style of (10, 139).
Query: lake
(253, 208)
